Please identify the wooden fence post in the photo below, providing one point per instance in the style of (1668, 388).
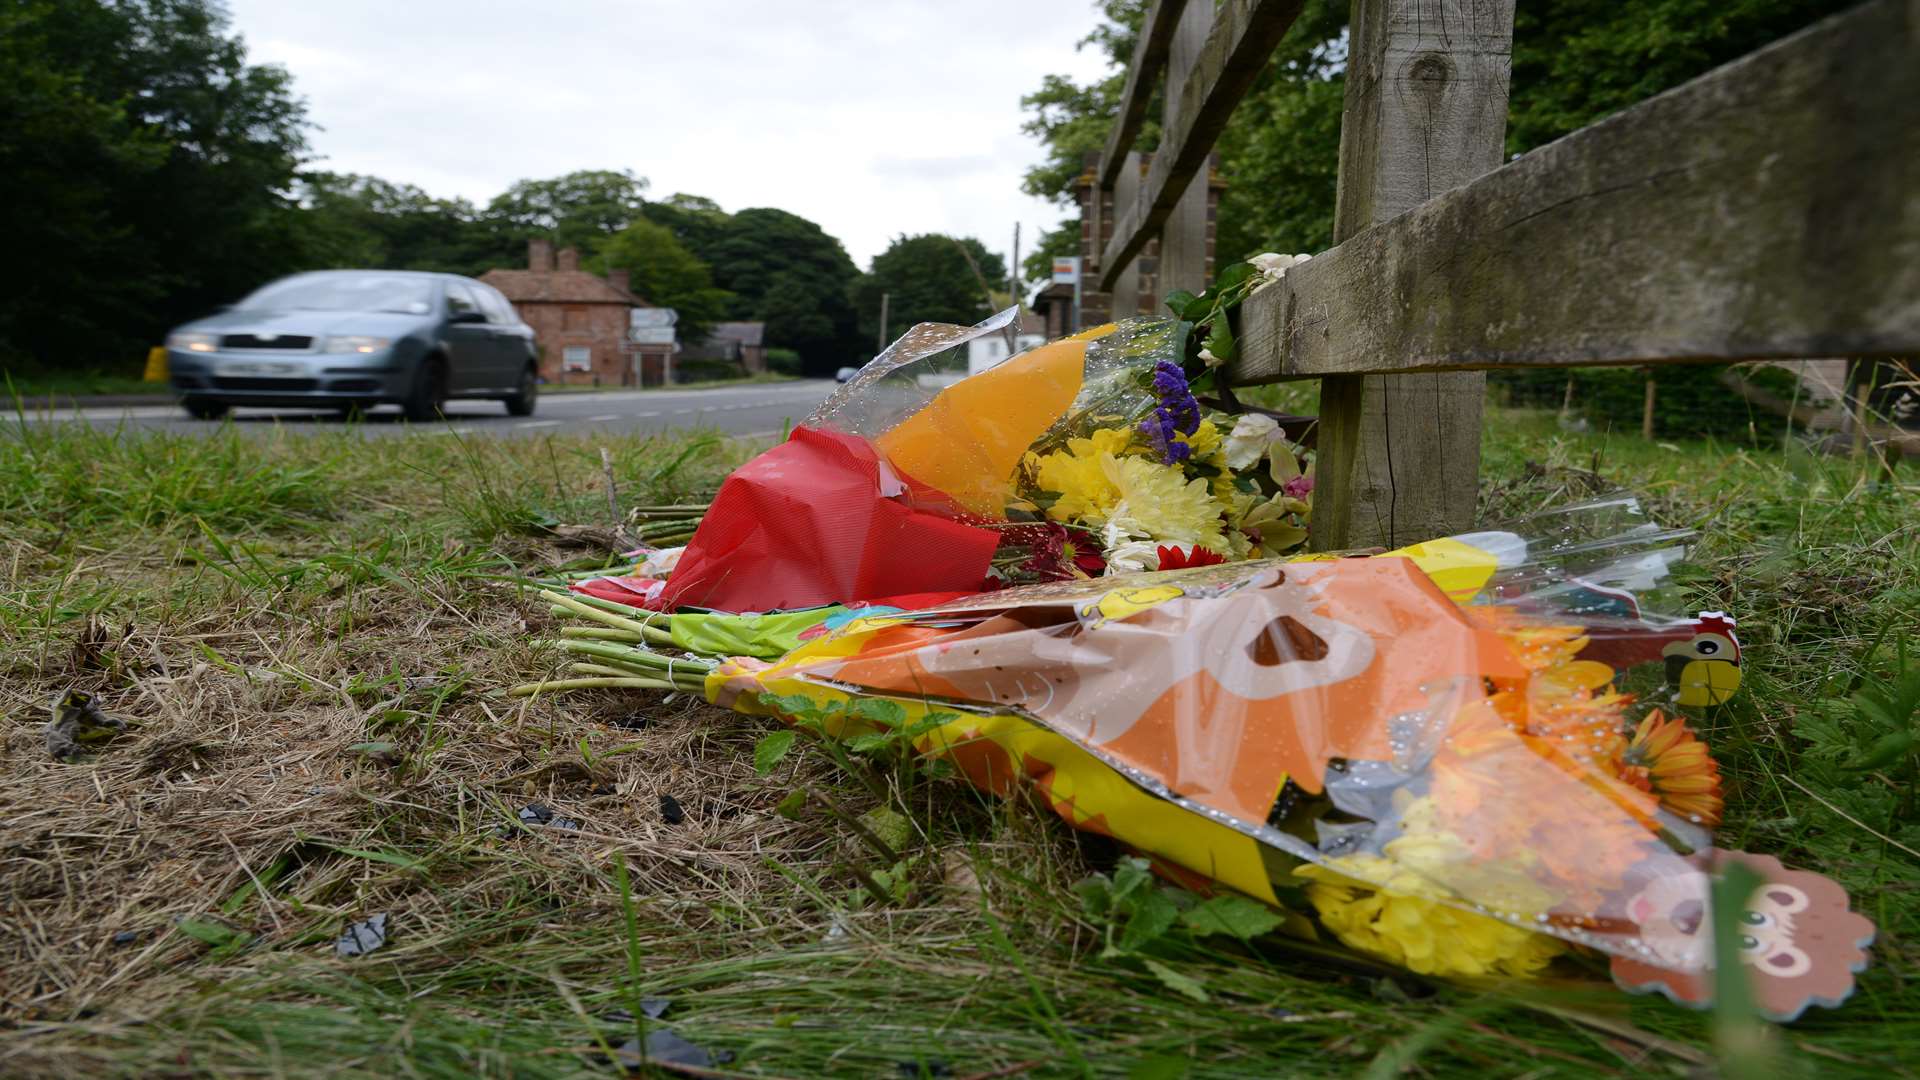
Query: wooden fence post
(1426, 110)
(1183, 239)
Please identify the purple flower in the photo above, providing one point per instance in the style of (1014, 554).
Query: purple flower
(1299, 487)
(1176, 414)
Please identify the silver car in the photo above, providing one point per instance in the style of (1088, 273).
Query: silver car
(352, 339)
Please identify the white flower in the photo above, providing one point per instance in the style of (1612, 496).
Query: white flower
(1274, 265)
(1207, 357)
(1132, 558)
(1248, 441)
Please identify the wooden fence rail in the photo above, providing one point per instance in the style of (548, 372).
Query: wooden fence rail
(1769, 209)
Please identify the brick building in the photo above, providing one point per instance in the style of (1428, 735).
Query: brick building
(1137, 293)
(580, 321)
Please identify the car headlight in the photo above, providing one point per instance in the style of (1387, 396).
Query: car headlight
(189, 342)
(355, 343)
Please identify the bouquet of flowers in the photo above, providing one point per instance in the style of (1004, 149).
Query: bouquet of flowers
(1086, 456)
(1467, 757)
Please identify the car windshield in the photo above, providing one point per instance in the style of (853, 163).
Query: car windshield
(344, 292)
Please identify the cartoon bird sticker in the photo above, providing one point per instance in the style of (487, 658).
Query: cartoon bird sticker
(1704, 669)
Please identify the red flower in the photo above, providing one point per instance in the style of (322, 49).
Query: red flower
(1176, 558)
(1057, 553)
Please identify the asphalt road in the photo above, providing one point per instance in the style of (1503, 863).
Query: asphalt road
(760, 409)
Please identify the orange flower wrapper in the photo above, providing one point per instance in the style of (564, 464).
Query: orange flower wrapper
(1465, 755)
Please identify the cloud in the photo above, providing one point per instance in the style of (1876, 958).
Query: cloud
(871, 119)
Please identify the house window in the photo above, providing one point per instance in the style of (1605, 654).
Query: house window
(573, 320)
(576, 358)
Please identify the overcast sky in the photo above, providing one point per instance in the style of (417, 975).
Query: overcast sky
(871, 118)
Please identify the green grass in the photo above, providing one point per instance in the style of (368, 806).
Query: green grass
(307, 631)
(80, 384)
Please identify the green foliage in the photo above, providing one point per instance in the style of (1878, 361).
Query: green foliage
(1574, 62)
(364, 221)
(662, 271)
(142, 165)
(581, 209)
(782, 269)
(928, 278)
(783, 361)
(1690, 401)
(1136, 913)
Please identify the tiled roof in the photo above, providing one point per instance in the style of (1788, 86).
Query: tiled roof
(558, 287)
(746, 333)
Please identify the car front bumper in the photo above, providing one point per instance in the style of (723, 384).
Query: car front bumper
(265, 377)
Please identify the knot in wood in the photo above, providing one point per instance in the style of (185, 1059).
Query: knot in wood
(1430, 72)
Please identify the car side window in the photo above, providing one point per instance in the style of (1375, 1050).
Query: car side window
(460, 299)
(495, 305)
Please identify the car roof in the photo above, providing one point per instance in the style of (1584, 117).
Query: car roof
(432, 275)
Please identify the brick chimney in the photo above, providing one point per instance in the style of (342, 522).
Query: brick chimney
(569, 260)
(540, 255)
(619, 279)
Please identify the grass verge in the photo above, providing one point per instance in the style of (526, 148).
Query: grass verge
(305, 631)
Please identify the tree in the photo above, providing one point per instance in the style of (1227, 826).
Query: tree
(696, 221)
(1574, 61)
(928, 278)
(663, 271)
(353, 220)
(581, 209)
(787, 272)
(142, 159)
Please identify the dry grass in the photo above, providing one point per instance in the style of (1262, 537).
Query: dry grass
(310, 636)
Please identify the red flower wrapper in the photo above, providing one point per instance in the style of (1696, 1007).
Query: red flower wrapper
(822, 519)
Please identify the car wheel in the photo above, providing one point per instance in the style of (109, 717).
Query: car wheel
(429, 393)
(203, 409)
(521, 404)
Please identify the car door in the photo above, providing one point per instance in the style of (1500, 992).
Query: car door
(512, 338)
(473, 357)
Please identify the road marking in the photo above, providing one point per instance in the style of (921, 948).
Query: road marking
(644, 415)
(603, 418)
(538, 423)
(454, 431)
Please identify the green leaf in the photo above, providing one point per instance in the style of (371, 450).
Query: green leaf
(878, 711)
(1154, 914)
(873, 742)
(1177, 301)
(1232, 276)
(1183, 985)
(1220, 337)
(771, 748)
(1096, 896)
(890, 826)
(1129, 876)
(791, 806)
(1233, 915)
(390, 858)
(1885, 751)
(211, 933)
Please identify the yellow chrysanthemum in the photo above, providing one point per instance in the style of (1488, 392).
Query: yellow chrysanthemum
(1204, 440)
(1086, 493)
(1112, 441)
(1158, 502)
(1400, 915)
(1421, 934)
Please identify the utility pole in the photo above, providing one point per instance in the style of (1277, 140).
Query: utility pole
(1013, 271)
(880, 344)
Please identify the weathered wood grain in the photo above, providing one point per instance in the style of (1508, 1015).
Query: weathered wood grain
(1769, 209)
(1183, 237)
(1425, 111)
(1242, 39)
(1149, 56)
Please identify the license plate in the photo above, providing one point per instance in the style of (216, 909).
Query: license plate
(259, 367)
